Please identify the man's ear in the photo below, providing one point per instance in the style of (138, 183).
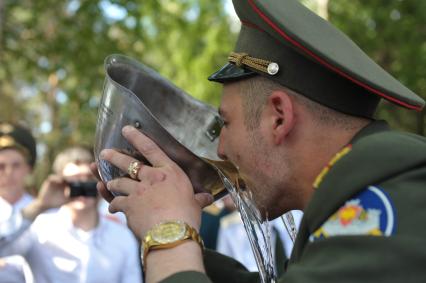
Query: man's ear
(281, 113)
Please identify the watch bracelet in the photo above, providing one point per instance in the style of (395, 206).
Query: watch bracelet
(193, 235)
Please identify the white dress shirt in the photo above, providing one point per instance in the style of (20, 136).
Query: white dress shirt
(14, 269)
(56, 251)
(118, 217)
(233, 240)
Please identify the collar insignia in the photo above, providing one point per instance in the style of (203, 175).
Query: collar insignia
(6, 128)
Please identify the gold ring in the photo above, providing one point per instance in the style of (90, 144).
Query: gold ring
(133, 169)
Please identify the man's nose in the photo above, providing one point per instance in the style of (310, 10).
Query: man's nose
(220, 149)
(6, 169)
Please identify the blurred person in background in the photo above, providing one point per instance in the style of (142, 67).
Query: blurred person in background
(17, 159)
(210, 221)
(74, 243)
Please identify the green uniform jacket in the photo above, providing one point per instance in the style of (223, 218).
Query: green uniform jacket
(366, 222)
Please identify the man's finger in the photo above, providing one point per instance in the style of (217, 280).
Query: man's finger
(118, 159)
(103, 191)
(151, 175)
(146, 147)
(122, 186)
(94, 169)
(204, 199)
(122, 161)
(117, 204)
(56, 180)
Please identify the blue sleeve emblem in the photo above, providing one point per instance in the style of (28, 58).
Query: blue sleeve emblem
(370, 212)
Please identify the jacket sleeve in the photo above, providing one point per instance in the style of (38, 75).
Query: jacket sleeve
(187, 276)
(219, 268)
(15, 235)
(357, 259)
(390, 257)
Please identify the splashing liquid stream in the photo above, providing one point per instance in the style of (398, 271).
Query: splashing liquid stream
(258, 231)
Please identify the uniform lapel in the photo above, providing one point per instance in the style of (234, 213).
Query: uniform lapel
(369, 162)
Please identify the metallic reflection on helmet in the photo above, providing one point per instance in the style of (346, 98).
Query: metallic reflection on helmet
(184, 128)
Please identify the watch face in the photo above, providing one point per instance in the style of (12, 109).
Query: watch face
(168, 232)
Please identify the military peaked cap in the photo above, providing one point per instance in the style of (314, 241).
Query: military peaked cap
(18, 137)
(286, 42)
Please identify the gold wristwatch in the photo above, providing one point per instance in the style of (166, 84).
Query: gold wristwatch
(168, 234)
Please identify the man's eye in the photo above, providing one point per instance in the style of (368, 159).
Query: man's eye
(16, 165)
(223, 123)
(220, 121)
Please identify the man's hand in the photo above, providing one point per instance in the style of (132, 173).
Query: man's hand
(100, 185)
(53, 193)
(163, 191)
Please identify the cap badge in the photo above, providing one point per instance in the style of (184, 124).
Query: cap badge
(243, 59)
(6, 141)
(6, 128)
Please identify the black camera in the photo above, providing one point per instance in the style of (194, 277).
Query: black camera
(87, 189)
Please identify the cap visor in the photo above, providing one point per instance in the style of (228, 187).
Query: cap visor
(230, 72)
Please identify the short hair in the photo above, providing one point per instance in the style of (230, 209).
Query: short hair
(75, 154)
(256, 90)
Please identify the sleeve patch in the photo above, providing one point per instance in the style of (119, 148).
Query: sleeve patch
(370, 212)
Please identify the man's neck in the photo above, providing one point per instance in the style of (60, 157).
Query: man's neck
(318, 154)
(86, 219)
(10, 196)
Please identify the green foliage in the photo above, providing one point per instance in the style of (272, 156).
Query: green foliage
(393, 33)
(52, 55)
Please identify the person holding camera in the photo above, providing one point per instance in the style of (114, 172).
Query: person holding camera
(63, 236)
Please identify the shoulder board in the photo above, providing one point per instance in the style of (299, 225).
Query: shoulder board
(212, 209)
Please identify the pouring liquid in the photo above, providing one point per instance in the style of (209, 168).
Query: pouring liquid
(258, 231)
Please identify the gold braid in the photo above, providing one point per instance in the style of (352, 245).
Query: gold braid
(241, 59)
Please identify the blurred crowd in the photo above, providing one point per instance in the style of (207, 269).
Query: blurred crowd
(65, 233)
